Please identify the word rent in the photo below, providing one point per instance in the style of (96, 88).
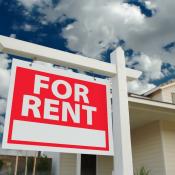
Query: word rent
(62, 91)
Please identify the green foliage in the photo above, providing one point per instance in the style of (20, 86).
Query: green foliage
(44, 164)
(30, 163)
(142, 171)
(1, 164)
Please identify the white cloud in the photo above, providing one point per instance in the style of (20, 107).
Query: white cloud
(31, 3)
(1, 128)
(100, 24)
(29, 28)
(25, 27)
(3, 104)
(4, 79)
(4, 62)
(139, 87)
(151, 67)
(4, 75)
(150, 4)
(156, 32)
(97, 28)
(97, 22)
(2, 119)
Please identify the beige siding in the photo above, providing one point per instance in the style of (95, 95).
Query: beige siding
(68, 164)
(104, 165)
(166, 94)
(168, 133)
(147, 149)
(157, 96)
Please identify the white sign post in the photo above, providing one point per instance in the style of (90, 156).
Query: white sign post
(117, 71)
(121, 125)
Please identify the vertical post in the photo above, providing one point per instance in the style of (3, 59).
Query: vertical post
(16, 165)
(34, 166)
(56, 158)
(78, 164)
(26, 166)
(121, 124)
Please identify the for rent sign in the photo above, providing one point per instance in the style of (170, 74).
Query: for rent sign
(54, 110)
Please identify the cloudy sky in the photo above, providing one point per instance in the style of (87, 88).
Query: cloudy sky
(145, 29)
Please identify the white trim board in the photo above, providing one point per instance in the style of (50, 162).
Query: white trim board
(151, 103)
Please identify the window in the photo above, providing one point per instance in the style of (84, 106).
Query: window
(22, 165)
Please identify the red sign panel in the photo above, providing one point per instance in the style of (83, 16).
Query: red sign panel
(54, 110)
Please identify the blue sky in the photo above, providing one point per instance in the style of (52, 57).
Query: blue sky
(95, 29)
(145, 29)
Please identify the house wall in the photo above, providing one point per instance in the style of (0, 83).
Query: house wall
(157, 96)
(67, 164)
(164, 94)
(167, 94)
(168, 134)
(153, 146)
(147, 148)
(104, 165)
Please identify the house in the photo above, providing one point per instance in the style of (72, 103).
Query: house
(164, 92)
(153, 129)
(152, 122)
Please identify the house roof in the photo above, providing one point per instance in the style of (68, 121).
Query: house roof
(162, 86)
